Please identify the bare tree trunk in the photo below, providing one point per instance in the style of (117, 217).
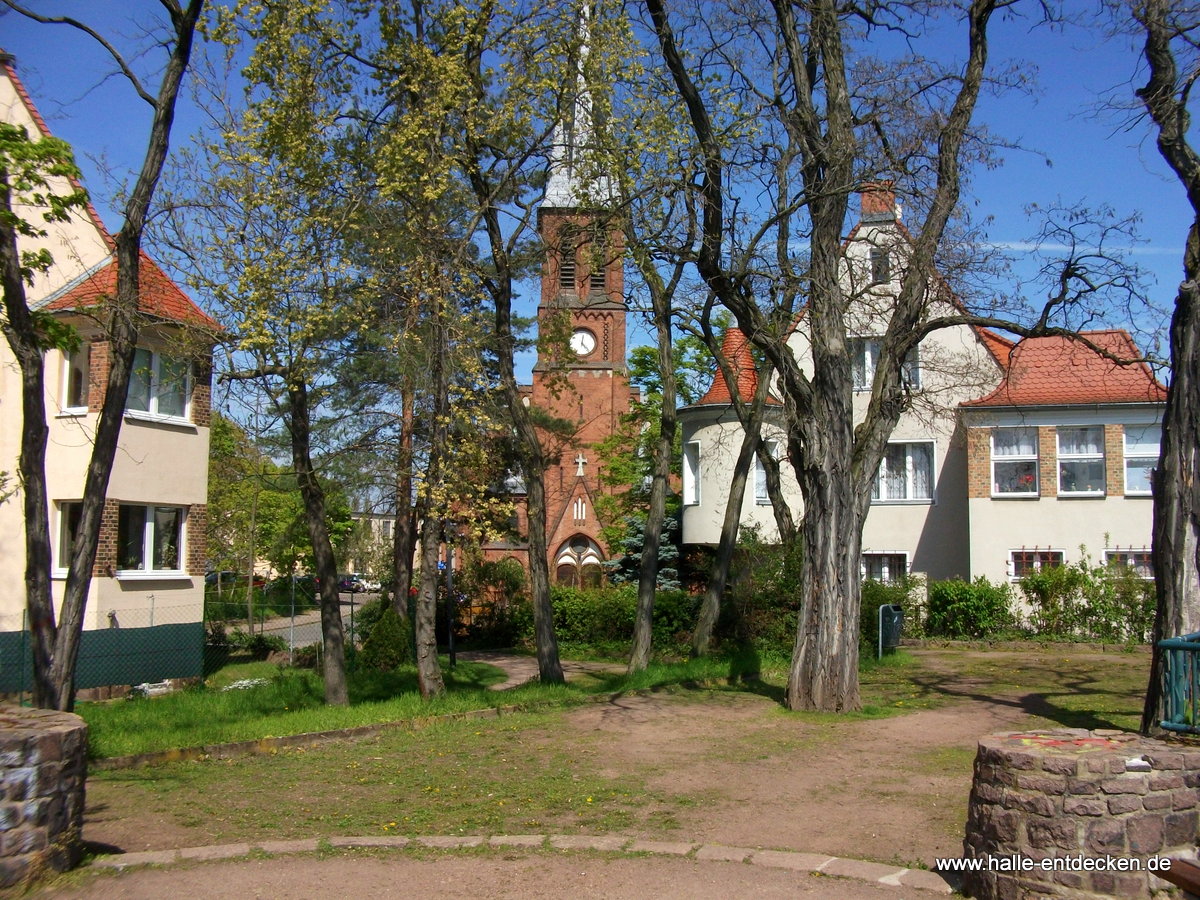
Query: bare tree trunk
(429, 673)
(21, 334)
(332, 635)
(1176, 539)
(663, 451)
(55, 674)
(404, 538)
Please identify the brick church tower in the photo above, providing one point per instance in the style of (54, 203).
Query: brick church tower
(580, 372)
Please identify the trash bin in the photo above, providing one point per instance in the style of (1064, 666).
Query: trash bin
(891, 624)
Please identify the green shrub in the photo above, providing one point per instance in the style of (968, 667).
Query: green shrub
(976, 609)
(502, 624)
(1089, 602)
(257, 644)
(389, 644)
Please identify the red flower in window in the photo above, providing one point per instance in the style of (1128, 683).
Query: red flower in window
(1027, 479)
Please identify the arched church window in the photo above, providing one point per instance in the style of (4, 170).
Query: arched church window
(578, 562)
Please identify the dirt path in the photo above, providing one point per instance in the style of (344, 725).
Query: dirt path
(893, 790)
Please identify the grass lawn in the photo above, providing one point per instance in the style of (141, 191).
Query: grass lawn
(704, 734)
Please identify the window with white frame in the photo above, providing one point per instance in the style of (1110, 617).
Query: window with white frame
(1141, 456)
(884, 566)
(1015, 462)
(1139, 562)
(159, 385)
(691, 473)
(761, 497)
(1027, 562)
(150, 538)
(905, 473)
(864, 358)
(69, 514)
(579, 510)
(76, 379)
(1081, 460)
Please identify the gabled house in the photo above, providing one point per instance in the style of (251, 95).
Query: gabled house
(149, 570)
(992, 425)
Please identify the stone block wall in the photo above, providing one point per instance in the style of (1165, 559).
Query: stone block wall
(43, 765)
(1079, 794)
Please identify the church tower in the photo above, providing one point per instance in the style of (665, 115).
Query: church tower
(579, 376)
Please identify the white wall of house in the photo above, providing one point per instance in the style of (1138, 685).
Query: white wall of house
(160, 461)
(920, 517)
(1109, 522)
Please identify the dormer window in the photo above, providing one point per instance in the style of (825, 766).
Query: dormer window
(864, 358)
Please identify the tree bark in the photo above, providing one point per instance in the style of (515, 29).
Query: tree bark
(55, 673)
(664, 450)
(333, 637)
(404, 538)
(1176, 533)
(21, 334)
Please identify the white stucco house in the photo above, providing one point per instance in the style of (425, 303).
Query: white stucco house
(1012, 455)
(149, 570)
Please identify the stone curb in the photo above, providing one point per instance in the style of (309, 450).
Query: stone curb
(853, 869)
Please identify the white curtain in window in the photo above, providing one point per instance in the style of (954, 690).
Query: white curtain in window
(1014, 442)
(1081, 441)
(922, 469)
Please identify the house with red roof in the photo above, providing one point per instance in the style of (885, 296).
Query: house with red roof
(1059, 456)
(148, 579)
(1012, 455)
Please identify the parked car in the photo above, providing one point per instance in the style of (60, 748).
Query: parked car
(351, 582)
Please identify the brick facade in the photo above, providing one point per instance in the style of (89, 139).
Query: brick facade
(1114, 460)
(106, 549)
(979, 463)
(1047, 461)
(201, 406)
(98, 366)
(197, 539)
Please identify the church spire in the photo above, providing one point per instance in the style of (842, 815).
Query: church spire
(565, 188)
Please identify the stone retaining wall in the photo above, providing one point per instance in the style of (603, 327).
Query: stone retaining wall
(1072, 793)
(43, 765)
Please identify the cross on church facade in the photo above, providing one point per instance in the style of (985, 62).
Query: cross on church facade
(580, 462)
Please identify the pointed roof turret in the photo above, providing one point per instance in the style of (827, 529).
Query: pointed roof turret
(735, 347)
(565, 188)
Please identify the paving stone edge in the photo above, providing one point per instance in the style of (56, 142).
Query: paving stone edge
(820, 864)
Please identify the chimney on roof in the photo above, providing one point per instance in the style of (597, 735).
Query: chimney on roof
(878, 201)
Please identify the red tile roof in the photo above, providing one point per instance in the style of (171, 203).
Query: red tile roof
(736, 348)
(159, 295)
(1059, 371)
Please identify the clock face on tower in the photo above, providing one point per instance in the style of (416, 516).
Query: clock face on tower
(583, 342)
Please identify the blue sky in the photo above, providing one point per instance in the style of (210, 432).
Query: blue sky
(1074, 155)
